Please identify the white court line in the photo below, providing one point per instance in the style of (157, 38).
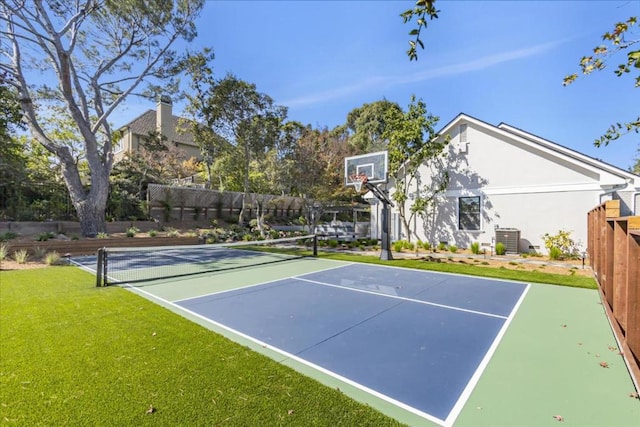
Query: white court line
(466, 393)
(257, 284)
(288, 355)
(450, 307)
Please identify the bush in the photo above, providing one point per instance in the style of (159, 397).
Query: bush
(501, 249)
(332, 243)
(475, 248)
(408, 245)
(4, 252)
(52, 258)
(131, 231)
(398, 245)
(7, 235)
(555, 253)
(21, 256)
(172, 232)
(442, 246)
(153, 233)
(43, 237)
(426, 246)
(39, 252)
(453, 249)
(562, 242)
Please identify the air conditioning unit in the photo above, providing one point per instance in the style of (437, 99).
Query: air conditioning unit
(510, 238)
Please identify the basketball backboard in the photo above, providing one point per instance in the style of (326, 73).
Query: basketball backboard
(372, 165)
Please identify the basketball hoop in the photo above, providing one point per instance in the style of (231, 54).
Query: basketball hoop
(357, 181)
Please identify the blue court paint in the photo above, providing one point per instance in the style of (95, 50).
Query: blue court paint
(419, 354)
(471, 293)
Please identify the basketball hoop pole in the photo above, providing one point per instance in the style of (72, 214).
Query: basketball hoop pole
(385, 235)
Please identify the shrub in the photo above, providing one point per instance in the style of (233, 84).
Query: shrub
(102, 235)
(475, 248)
(453, 249)
(132, 231)
(555, 253)
(172, 232)
(153, 233)
(52, 258)
(333, 243)
(39, 252)
(501, 249)
(408, 245)
(426, 246)
(21, 256)
(7, 235)
(563, 242)
(442, 246)
(4, 252)
(398, 245)
(43, 237)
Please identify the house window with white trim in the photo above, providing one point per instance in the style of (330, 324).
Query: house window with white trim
(119, 146)
(469, 213)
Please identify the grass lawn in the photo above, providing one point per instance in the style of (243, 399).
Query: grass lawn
(74, 354)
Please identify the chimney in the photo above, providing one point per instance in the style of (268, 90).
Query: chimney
(164, 118)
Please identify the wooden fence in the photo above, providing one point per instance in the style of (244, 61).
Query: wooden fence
(614, 254)
(169, 203)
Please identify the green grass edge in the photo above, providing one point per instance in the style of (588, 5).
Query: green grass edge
(472, 270)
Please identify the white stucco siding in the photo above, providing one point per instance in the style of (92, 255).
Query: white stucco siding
(506, 162)
(522, 182)
(534, 214)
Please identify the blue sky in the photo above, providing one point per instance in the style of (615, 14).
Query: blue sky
(499, 61)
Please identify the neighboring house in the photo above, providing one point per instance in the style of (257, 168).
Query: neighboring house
(161, 120)
(506, 183)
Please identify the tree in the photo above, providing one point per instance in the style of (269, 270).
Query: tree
(413, 143)
(91, 55)
(636, 166)
(12, 159)
(366, 125)
(422, 10)
(154, 162)
(247, 119)
(615, 42)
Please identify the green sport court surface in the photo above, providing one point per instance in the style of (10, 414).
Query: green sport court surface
(547, 363)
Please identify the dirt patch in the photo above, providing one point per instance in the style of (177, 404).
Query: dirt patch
(510, 262)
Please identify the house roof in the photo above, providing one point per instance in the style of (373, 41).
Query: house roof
(617, 175)
(146, 123)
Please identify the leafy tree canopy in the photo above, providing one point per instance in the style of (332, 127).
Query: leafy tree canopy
(620, 39)
(93, 54)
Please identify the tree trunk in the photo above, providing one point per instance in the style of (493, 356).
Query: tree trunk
(260, 216)
(405, 221)
(92, 218)
(90, 204)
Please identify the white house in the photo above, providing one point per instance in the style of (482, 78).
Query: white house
(509, 185)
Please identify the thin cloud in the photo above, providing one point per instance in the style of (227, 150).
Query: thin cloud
(430, 74)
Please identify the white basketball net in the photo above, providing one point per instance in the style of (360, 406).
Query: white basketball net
(357, 181)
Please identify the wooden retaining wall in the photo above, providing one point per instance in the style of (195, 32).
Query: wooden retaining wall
(614, 254)
(91, 246)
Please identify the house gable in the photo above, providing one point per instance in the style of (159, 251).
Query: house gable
(501, 177)
(507, 157)
(147, 123)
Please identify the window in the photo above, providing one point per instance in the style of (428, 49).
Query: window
(463, 133)
(469, 213)
(119, 146)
